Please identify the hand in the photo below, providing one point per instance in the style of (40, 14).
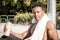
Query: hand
(5, 29)
(4, 37)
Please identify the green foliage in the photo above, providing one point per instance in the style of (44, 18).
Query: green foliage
(58, 7)
(21, 5)
(0, 19)
(27, 2)
(23, 17)
(16, 5)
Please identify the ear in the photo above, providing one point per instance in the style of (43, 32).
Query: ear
(43, 11)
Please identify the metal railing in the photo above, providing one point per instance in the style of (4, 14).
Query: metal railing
(4, 18)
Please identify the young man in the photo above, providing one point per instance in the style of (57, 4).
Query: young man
(50, 32)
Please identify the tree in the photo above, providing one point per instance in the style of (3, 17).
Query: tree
(13, 6)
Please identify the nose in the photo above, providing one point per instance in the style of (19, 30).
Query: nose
(35, 14)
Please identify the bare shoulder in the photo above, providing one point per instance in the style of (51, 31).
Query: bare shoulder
(50, 25)
(52, 32)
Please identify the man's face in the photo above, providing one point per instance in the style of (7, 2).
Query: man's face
(37, 12)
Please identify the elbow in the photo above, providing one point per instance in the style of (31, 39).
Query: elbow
(21, 37)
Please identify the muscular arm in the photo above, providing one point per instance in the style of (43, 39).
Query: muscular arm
(5, 29)
(21, 36)
(52, 31)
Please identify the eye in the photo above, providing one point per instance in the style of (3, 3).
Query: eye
(37, 11)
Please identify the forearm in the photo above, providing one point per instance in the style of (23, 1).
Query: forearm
(21, 36)
(17, 35)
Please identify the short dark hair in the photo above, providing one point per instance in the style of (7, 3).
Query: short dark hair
(36, 4)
